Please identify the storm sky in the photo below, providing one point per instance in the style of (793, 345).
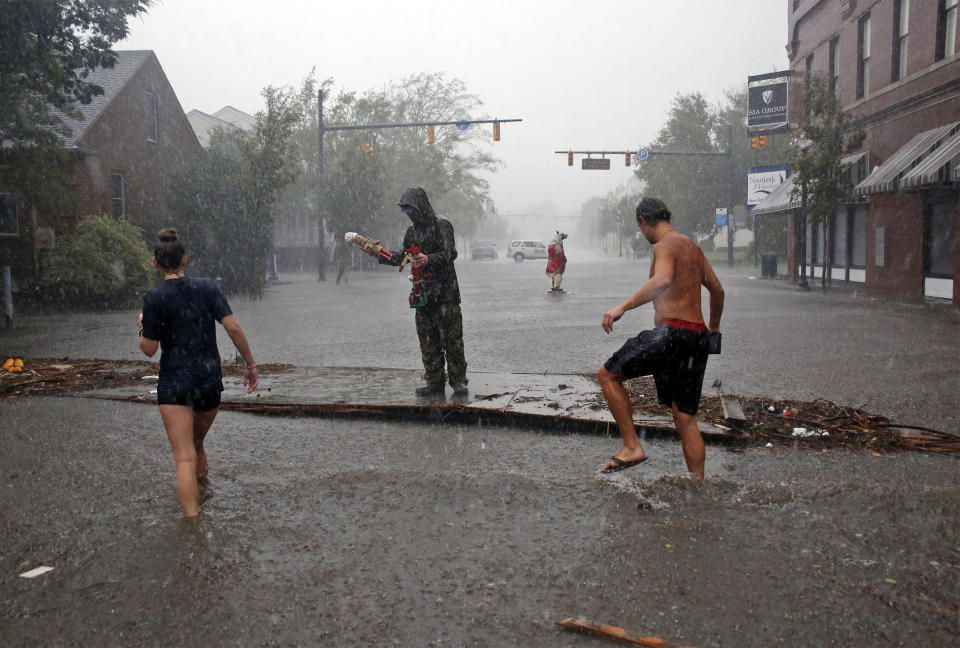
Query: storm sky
(582, 75)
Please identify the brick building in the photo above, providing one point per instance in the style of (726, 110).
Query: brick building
(127, 148)
(895, 66)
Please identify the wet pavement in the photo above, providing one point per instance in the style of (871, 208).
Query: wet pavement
(898, 360)
(359, 532)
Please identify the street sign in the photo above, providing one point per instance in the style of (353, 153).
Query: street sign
(721, 215)
(595, 163)
(642, 154)
(463, 124)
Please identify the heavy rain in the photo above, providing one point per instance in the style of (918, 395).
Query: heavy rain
(357, 496)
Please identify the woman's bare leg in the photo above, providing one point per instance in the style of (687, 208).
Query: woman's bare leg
(201, 425)
(179, 422)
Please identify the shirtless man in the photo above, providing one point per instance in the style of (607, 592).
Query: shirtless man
(675, 352)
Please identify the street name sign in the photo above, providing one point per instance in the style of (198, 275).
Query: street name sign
(595, 163)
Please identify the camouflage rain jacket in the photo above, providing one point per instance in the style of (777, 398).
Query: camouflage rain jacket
(434, 236)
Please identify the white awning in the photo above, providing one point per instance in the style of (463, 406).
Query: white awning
(777, 200)
(934, 168)
(780, 199)
(886, 177)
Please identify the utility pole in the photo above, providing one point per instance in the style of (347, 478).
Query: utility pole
(730, 198)
(321, 225)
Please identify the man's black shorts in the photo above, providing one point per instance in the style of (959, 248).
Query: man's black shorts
(200, 394)
(676, 358)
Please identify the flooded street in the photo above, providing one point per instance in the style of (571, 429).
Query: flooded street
(365, 532)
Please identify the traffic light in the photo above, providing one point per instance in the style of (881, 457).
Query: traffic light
(763, 140)
(496, 131)
(627, 158)
(367, 150)
(569, 158)
(759, 141)
(430, 136)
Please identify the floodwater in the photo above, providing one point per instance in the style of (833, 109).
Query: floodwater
(356, 533)
(321, 532)
(898, 360)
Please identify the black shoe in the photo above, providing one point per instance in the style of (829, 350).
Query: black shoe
(429, 390)
(460, 389)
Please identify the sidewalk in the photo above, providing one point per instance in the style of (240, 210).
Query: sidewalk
(559, 402)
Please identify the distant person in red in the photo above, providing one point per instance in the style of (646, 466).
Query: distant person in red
(675, 351)
(557, 261)
(179, 318)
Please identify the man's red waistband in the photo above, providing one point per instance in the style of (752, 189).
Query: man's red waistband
(673, 322)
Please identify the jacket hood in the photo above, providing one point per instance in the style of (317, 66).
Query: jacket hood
(417, 197)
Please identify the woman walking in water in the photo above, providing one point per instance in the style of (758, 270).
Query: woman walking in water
(179, 318)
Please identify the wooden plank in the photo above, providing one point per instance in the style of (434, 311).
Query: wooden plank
(732, 410)
(615, 634)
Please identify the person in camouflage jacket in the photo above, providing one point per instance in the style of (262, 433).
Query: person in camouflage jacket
(439, 320)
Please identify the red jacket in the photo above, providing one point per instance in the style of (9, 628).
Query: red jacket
(558, 260)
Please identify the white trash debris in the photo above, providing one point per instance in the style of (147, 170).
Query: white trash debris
(805, 433)
(37, 571)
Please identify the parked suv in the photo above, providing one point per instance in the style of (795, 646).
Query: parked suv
(483, 249)
(521, 250)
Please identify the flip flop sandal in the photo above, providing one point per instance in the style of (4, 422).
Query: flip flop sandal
(620, 464)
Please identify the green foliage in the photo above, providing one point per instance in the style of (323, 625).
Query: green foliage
(820, 145)
(619, 215)
(46, 52)
(821, 182)
(694, 186)
(358, 191)
(224, 203)
(104, 265)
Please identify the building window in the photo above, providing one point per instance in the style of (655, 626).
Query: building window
(938, 240)
(152, 135)
(858, 237)
(946, 29)
(8, 215)
(835, 66)
(863, 57)
(839, 233)
(901, 21)
(118, 198)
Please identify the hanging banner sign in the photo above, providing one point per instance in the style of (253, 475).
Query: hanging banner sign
(762, 180)
(768, 100)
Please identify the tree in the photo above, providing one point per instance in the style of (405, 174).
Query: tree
(47, 50)
(822, 182)
(360, 185)
(82, 274)
(225, 203)
(693, 187)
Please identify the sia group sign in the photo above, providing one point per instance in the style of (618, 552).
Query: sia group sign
(768, 99)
